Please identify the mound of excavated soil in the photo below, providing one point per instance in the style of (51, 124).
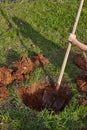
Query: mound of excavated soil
(81, 61)
(39, 60)
(82, 101)
(5, 76)
(82, 82)
(21, 69)
(3, 93)
(33, 97)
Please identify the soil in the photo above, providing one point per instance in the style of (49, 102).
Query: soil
(4, 93)
(21, 69)
(44, 95)
(57, 100)
(33, 97)
(82, 101)
(39, 60)
(81, 82)
(80, 61)
(5, 76)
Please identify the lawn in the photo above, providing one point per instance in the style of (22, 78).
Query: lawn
(41, 27)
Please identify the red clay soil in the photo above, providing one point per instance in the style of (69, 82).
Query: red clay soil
(18, 72)
(5, 76)
(82, 101)
(39, 60)
(3, 93)
(81, 82)
(33, 97)
(81, 61)
(21, 69)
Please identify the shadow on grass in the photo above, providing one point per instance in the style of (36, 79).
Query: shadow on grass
(6, 18)
(48, 48)
(12, 56)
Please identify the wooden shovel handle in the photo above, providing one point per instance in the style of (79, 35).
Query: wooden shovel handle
(69, 46)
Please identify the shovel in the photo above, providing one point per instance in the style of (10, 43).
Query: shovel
(49, 97)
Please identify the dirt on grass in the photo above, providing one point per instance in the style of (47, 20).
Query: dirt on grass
(81, 80)
(82, 101)
(39, 60)
(19, 71)
(5, 76)
(4, 93)
(80, 61)
(36, 95)
(33, 97)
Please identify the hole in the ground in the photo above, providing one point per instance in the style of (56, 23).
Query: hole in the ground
(44, 95)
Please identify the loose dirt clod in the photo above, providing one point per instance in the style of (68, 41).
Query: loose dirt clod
(81, 61)
(39, 60)
(82, 82)
(82, 101)
(5, 76)
(3, 93)
(33, 97)
(21, 68)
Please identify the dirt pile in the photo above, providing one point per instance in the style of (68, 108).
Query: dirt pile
(5, 76)
(81, 61)
(39, 60)
(4, 93)
(81, 80)
(33, 97)
(82, 101)
(22, 68)
(19, 70)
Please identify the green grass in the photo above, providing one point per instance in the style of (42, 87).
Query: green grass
(41, 26)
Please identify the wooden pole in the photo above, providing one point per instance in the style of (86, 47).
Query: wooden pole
(69, 46)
